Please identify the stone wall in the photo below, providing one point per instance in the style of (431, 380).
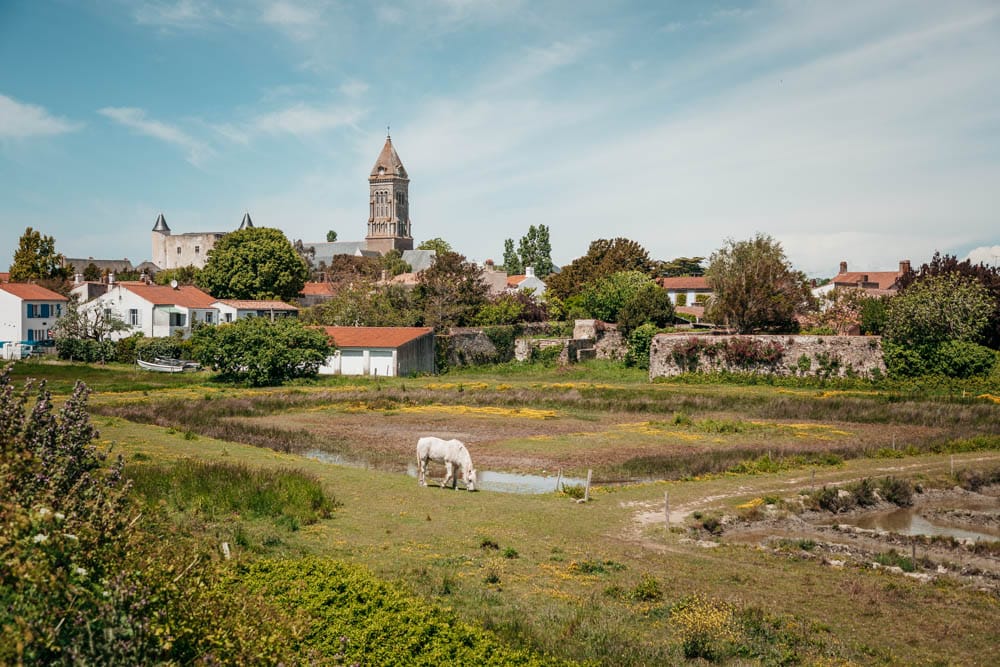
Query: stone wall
(673, 354)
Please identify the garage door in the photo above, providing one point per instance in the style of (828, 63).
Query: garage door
(381, 363)
(352, 362)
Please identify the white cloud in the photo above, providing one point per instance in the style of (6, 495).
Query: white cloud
(179, 14)
(354, 88)
(985, 254)
(303, 119)
(20, 121)
(136, 120)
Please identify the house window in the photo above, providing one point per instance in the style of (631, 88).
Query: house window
(31, 310)
(208, 317)
(178, 250)
(178, 319)
(197, 249)
(229, 317)
(133, 317)
(58, 310)
(46, 309)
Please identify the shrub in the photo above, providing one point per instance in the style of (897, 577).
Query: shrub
(892, 558)
(962, 359)
(896, 490)
(598, 566)
(830, 499)
(639, 342)
(126, 349)
(864, 492)
(647, 590)
(705, 627)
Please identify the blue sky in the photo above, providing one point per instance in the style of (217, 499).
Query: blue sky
(858, 131)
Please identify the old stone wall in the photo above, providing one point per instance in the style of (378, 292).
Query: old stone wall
(830, 356)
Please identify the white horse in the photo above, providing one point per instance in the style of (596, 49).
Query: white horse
(449, 452)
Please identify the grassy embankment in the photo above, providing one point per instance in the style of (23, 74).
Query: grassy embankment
(585, 581)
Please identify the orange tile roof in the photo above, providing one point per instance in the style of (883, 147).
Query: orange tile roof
(375, 336)
(684, 282)
(32, 292)
(257, 305)
(4, 277)
(186, 296)
(884, 279)
(317, 289)
(514, 281)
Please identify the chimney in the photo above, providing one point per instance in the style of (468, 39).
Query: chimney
(529, 272)
(904, 266)
(111, 277)
(843, 267)
(77, 278)
(489, 265)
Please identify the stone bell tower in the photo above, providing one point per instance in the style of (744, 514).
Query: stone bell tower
(388, 203)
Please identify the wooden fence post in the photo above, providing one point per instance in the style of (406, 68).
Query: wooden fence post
(586, 490)
(666, 508)
(559, 480)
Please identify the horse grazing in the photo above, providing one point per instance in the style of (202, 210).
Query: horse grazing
(450, 452)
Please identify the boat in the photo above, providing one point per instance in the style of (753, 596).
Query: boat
(157, 366)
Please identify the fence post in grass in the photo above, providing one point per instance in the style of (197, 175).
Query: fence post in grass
(586, 489)
(913, 555)
(559, 480)
(812, 484)
(666, 509)
(225, 550)
(952, 465)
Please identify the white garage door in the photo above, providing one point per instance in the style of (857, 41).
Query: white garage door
(352, 362)
(381, 363)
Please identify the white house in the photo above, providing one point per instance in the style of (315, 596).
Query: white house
(28, 312)
(686, 290)
(231, 310)
(380, 351)
(157, 310)
(528, 281)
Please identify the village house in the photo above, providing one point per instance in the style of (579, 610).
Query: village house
(28, 312)
(157, 310)
(873, 283)
(231, 310)
(380, 351)
(528, 281)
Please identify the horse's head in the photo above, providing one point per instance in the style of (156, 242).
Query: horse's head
(470, 479)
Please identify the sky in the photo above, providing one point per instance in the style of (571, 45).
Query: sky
(866, 132)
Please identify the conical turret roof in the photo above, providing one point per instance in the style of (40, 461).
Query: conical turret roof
(247, 222)
(388, 162)
(161, 224)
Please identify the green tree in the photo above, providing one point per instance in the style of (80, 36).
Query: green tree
(755, 287)
(36, 259)
(605, 297)
(681, 266)
(254, 263)
(92, 273)
(534, 250)
(437, 244)
(938, 308)
(392, 263)
(451, 291)
(331, 236)
(261, 352)
(650, 304)
(511, 260)
(184, 275)
(367, 304)
(604, 257)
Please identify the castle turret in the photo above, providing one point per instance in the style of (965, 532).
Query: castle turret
(160, 233)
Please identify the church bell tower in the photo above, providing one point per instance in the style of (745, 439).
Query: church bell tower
(388, 203)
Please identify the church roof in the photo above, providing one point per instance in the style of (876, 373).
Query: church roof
(247, 222)
(161, 224)
(388, 162)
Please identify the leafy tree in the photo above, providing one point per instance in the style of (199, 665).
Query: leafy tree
(261, 352)
(451, 291)
(511, 308)
(604, 257)
(987, 276)
(873, 311)
(92, 273)
(650, 304)
(308, 255)
(331, 236)
(365, 303)
(254, 263)
(604, 298)
(36, 259)
(184, 275)
(755, 287)
(87, 322)
(534, 250)
(437, 244)
(392, 263)
(937, 309)
(638, 342)
(681, 266)
(511, 260)
(840, 309)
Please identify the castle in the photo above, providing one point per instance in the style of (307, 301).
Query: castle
(388, 223)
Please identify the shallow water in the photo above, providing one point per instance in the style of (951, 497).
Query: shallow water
(907, 521)
(508, 482)
(335, 459)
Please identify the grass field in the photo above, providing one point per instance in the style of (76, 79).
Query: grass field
(605, 581)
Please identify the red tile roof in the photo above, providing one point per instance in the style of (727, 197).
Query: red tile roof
(32, 292)
(684, 282)
(514, 281)
(697, 311)
(375, 336)
(884, 279)
(257, 305)
(4, 277)
(317, 289)
(186, 296)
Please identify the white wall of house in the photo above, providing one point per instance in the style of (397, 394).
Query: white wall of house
(228, 313)
(27, 319)
(376, 361)
(150, 319)
(691, 295)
